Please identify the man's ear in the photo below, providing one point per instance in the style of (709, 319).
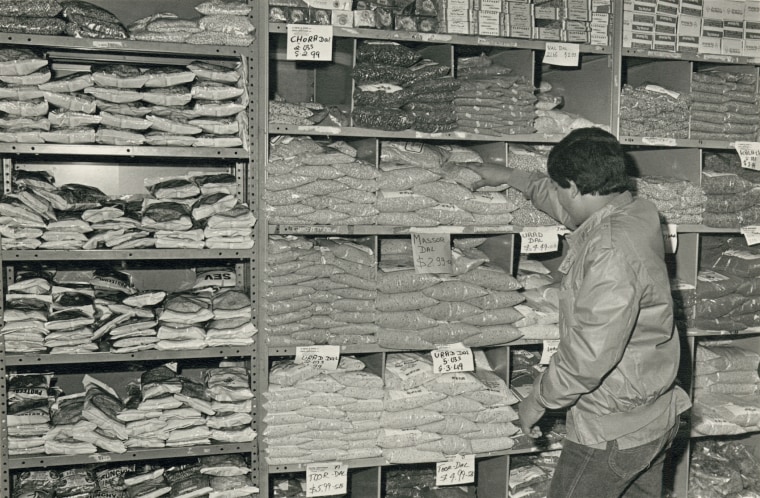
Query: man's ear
(574, 190)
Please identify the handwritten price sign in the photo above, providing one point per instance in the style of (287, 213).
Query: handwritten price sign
(670, 232)
(748, 153)
(550, 347)
(535, 240)
(457, 470)
(561, 54)
(432, 252)
(319, 357)
(452, 358)
(309, 42)
(751, 234)
(326, 479)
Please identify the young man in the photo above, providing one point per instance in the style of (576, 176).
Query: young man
(618, 355)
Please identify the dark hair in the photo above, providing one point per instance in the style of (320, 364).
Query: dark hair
(593, 159)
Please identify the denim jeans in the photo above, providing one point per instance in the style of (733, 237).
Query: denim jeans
(584, 472)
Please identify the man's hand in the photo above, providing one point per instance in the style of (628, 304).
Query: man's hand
(530, 413)
(492, 174)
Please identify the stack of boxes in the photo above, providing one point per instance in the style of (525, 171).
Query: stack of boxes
(716, 27)
(574, 21)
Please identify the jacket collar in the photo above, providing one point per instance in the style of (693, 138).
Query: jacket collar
(577, 238)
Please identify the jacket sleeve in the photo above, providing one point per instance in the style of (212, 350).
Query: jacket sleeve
(542, 193)
(602, 320)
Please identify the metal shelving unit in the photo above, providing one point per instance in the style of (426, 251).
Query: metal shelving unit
(79, 54)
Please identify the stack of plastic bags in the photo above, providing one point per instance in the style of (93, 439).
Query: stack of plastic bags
(427, 415)
(530, 475)
(678, 201)
(731, 192)
(229, 388)
(38, 17)
(474, 304)
(397, 89)
(540, 308)
(427, 185)
(724, 106)
(726, 390)
(527, 158)
(28, 304)
(200, 104)
(311, 183)
(317, 415)
(490, 100)
(28, 412)
(721, 467)
(419, 480)
(319, 292)
(653, 111)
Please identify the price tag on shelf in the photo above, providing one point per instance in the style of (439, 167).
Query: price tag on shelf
(550, 347)
(751, 234)
(309, 42)
(456, 470)
(535, 240)
(319, 357)
(452, 358)
(432, 252)
(561, 54)
(670, 232)
(326, 479)
(748, 153)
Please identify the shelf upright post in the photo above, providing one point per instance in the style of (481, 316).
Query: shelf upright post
(5, 478)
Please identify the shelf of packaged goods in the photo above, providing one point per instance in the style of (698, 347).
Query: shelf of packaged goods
(119, 150)
(33, 461)
(680, 56)
(349, 131)
(722, 333)
(129, 46)
(448, 38)
(123, 254)
(384, 230)
(683, 143)
(381, 462)
(152, 355)
(374, 348)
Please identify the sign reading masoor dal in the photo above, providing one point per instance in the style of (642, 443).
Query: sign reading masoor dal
(432, 252)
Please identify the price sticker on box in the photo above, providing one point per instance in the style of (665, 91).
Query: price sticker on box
(751, 234)
(326, 479)
(452, 358)
(455, 471)
(535, 240)
(309, 42)
(561, 54)
(749, 152)
(319, 357)
(432, 252)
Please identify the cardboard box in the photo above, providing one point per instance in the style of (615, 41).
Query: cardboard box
(578, 10)
(544, 12)
(489, 23)
(734, 10)
(667, 7)
(642, 40)
(732, 46)
(751, 42)
(574, 36)
(664, 42)
(752, 11)
(492, 5)
(688, 44)
(690, 8)
(343, 18)
(665, 24)
(689, 26)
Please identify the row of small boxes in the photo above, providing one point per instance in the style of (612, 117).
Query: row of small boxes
(579, 21)
(721, 27)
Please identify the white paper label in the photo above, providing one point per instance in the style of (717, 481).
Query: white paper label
(751, 234)
(535, 240)
(550, 347)
(659, 89)
(326, 479)
(309, 42)
(748, 153)
(432, 252)
(319, 357)
(670, 232)
(561, 54)
(456, 470)
(452, 358)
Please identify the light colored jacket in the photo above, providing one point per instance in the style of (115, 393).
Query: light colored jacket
(618, 353)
